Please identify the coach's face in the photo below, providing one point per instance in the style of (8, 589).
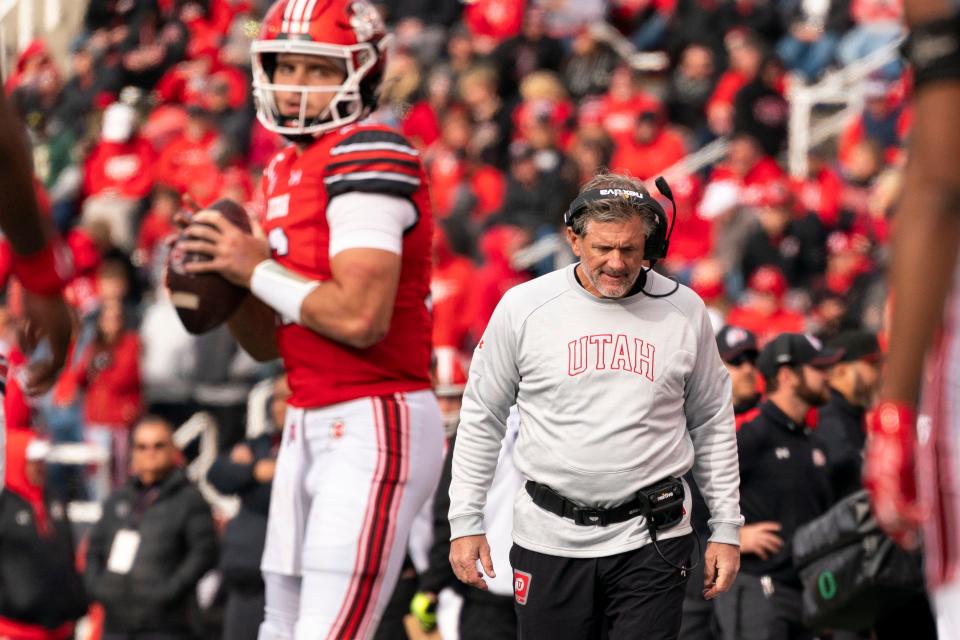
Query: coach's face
(611, 255)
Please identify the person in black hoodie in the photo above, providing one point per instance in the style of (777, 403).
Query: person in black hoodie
(153, 543)
(41, 593)
(247, 471)
(760, 108)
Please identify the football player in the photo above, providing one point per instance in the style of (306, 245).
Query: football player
(340, 275)
(39, 261)
(913, 466)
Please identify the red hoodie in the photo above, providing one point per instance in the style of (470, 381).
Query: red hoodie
(496, 276)
(16, 482)
(178, 164)
(451, 284)
(111, 376)
(125, 168)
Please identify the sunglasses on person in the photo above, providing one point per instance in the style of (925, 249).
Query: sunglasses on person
(741, 359)
(148, 446)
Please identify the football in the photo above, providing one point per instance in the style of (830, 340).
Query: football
(204, 301)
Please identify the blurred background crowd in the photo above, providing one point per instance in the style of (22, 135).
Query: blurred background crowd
(513, 105)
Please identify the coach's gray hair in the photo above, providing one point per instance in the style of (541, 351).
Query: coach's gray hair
(614, 209)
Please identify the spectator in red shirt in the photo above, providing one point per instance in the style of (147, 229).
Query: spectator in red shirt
(451, 285)
(496, 275)
(421, 124)
(885, 122)
(748, 168)
(692, 238)
(158, 224)
(654, 147)
(763, 312)
(621, 104)
(492, 21)
(109, 371)
(197, 146)
(820, 191)
(117, 174)
(446, 163)
(746, 54)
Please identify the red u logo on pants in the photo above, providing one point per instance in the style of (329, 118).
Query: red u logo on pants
(521, 586)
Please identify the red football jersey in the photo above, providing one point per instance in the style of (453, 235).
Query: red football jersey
(368, 158)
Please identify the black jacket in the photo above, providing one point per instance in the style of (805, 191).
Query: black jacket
(177, 546)
(242, 545)
(39, 583)
(783, 478)
(842, 428)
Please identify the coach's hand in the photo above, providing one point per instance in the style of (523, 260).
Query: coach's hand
(721, 563)
(464, 553)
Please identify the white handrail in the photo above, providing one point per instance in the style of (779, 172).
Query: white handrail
(841, 87)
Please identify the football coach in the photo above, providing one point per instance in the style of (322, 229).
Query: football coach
(621, 391)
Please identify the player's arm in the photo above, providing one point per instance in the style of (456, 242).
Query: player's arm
(355, 305)
(19, 213)
(925, 247)
(39, 265)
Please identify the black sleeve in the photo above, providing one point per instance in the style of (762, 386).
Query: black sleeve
(201, 546)
(750, 444)
(439, 574)
(98, 546)
(230, 478)
(843, 457)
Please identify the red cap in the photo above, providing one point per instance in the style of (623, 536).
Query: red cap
(768, 279)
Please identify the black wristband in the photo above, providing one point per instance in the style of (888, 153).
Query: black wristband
(933, 49)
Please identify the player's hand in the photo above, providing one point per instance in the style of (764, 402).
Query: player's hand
(264, 469)
(889, 472)
(47, 318)
(721, 562)
(464, 554)
(761, 539)
(233, 253)
(241, 454)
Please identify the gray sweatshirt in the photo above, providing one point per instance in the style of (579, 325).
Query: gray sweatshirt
(613, 395)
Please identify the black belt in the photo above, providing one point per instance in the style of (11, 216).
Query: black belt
(549, 500)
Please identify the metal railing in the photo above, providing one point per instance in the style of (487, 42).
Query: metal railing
(201, 426)
(843, 88)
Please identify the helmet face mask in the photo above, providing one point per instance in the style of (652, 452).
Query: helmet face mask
(348, 33)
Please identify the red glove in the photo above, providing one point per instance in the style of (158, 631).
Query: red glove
(889, 472)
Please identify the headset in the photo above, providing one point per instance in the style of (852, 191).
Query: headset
(658, 242)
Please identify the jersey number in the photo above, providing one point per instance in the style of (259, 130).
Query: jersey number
(279, 244)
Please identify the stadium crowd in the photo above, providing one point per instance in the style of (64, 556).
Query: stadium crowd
(513, 105)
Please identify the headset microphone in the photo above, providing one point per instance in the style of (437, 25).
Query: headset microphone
(667, 193)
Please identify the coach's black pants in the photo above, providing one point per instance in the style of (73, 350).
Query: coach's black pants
(634, 595)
